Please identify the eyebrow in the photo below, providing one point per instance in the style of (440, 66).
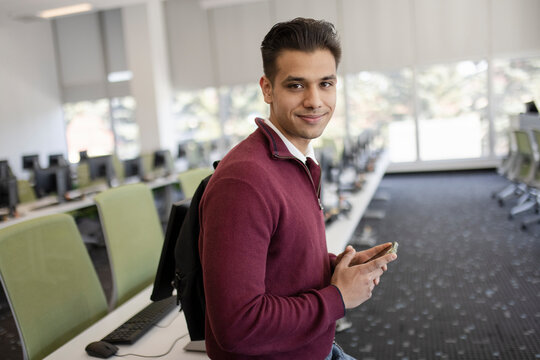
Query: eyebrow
(297, 78)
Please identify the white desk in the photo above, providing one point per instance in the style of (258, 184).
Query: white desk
(34, 209)
(341, 230)
(49, 205)
(155, 342)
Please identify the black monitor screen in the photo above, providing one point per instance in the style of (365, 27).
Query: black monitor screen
(57, 160)
(30, 162)
(133, 168)
(5, 171)
(101, 167)
(52, 180)
(531, 108)
(163, 161)
(8, 187)
(8, 194)
(160, 158)
(83, 155)
(182, 151)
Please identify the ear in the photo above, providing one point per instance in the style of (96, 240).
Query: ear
(266, 87)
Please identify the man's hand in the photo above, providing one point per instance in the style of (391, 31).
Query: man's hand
(363, 256)
(356, 280)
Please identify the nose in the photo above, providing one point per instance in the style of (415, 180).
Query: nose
(312, 99)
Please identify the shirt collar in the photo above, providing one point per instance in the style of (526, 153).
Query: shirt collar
(290, 146)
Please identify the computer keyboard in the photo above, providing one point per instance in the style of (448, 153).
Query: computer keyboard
(140, 323)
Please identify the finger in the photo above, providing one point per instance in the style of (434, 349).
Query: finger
(347, 257)
(376, 281)
(375, 252)
(377, 273)
(385, 267)
(382, 261)
(377, 249)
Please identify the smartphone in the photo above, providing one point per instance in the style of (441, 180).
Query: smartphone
(390, 249)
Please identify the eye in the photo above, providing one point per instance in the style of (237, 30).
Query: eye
(327, 84)
(295, 86)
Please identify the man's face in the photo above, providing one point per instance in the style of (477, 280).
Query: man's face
(302, 98)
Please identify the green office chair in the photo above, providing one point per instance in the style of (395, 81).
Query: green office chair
(526, 173)
(148, 166)
(25, 191)
(50, 282)
(534, 185)
(133, 237)
(118, 166)
(190, 180)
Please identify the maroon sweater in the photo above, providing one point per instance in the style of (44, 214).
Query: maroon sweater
(263, 251)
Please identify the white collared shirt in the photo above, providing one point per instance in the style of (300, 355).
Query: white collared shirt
(293, 149)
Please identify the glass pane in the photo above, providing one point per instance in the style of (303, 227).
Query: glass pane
(383, 100)
(240, 105)
(196, 115)
(515, 82)
(125, 127)
(88, 127)
(452, 111)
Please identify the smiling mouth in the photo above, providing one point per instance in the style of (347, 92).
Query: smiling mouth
(311, 117)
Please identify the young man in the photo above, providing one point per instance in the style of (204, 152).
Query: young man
(272, 289)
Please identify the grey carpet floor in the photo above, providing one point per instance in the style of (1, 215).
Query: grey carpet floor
(466, 284)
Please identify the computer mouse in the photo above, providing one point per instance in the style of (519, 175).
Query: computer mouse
(101, 349)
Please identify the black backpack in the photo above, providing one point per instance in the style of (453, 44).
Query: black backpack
(180, 266)
(189, 277)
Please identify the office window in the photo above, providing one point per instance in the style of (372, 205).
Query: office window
(515, 82)
(125, 127)
(239, 106)
(383, 100)
(452, 116)
(196, 115)
(88, 127)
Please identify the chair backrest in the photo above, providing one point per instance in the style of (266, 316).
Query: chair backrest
(50, 282)
(25, 191)
(133, 237)
(190, 180)
(536, 141)
(526, 156)
(148, 165)
(118, 169)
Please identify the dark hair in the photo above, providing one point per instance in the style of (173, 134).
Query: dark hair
(298, 34)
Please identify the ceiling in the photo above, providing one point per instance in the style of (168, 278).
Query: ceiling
(27, 9)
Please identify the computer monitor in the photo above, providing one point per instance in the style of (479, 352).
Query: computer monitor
(162, 161)
(133, 168)
(530, 108)
(163, 287)
(8, 188)
(101, 167)
(5, 171)
(52, 180)
(57, 160)
(8, 195)
(30, 162)
(182, 153)
(83, 155)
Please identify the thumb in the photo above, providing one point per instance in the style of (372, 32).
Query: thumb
(348, 255)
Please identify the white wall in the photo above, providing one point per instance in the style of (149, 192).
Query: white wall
(30, 109)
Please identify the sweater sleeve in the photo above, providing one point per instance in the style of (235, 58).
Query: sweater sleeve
(236, 228)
